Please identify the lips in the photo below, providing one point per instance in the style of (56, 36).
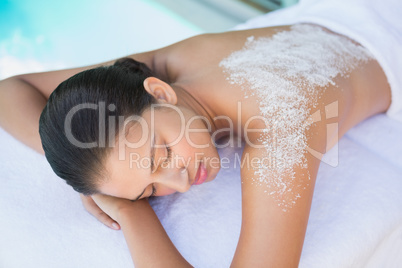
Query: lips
(201, 175)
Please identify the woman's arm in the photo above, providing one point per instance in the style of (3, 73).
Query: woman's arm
(271, 237)
(146, 238)
(149, 244)
(20, 107)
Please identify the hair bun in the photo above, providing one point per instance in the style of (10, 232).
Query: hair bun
(134, 66)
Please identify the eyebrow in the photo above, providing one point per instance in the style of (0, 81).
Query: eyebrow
(152, 166)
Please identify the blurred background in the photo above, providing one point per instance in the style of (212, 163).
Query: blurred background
(45, 35)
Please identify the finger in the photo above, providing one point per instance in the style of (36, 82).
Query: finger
(88, 201)
(106, 220)
(102, 216)
(95, 211)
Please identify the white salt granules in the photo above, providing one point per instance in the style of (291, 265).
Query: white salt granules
(287, 72)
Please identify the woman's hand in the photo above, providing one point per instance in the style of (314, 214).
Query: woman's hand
(102, 215)
(111, 205)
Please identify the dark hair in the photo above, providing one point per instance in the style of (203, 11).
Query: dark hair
(120, 84)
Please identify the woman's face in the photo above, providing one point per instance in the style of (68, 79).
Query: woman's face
(177, 133)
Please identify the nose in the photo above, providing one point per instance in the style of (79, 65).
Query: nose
(176, 179)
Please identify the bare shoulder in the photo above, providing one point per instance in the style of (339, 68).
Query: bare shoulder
(223, 42)
(191, 56)
(203, 52)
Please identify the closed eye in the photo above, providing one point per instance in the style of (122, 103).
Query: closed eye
(169, 154)
(166, 161)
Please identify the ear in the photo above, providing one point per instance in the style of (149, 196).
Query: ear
(161, 91)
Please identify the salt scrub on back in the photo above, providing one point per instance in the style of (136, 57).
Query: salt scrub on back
(288, 72)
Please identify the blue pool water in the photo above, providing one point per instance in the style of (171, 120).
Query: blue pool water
(43, 34)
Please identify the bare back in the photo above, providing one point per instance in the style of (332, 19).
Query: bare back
(194, 66)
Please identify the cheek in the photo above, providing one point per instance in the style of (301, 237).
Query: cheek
(200, 141)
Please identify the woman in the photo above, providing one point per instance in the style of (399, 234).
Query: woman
(198, 84)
